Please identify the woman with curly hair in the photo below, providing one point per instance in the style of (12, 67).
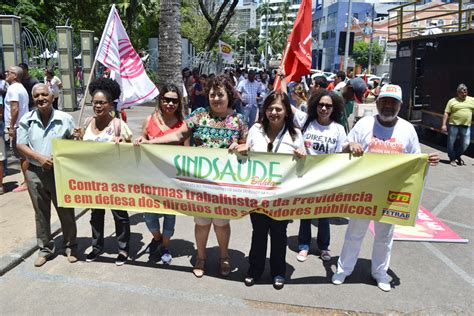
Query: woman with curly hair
(102, 127)
(322, 134)
(167, 118)
(219, 126)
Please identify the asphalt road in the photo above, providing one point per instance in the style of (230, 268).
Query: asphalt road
(427, 278)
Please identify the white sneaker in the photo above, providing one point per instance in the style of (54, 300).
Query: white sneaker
(302, 256)
(166, 256)
(383, 284)
(338, 278)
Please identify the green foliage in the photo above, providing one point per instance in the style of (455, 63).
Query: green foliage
(193, 24)
(360, 54)
(37, 73)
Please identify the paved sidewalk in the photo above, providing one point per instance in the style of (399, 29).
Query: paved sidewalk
(427, 278)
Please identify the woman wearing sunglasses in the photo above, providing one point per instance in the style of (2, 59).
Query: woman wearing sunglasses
(217, 127)
(276, 133)
(322, 134)
(166, 119)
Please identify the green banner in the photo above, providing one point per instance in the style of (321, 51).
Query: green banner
(213, 183)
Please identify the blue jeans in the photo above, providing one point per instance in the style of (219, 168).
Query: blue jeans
(152, 221)
(304, 235)
(238, 107)
(465, 137)
(250, 114)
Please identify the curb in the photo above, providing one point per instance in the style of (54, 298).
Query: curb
(18, 255)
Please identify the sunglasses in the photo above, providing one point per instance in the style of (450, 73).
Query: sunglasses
(99, 102)
(170, 100)
(270, 147)
(325, 105)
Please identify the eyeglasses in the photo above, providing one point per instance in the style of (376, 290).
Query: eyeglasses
(325, 105)
(270, 147)
(169, 100)
(99, 102)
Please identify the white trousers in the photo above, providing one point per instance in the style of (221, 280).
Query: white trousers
(381, 250)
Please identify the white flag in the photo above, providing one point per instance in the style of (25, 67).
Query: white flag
(116, 52)
(262, 59)
(226, 52)
(269, 51)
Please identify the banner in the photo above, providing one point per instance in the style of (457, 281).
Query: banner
(213, 183)
(226, 52)
(116, 52)
(428, 228)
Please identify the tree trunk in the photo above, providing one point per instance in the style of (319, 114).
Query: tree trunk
(169, 45)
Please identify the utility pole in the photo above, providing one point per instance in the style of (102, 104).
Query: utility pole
(348, 36)
(266, 35)
(371, 39)
(245, 50)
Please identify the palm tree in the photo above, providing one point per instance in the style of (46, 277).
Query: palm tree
(169, 45)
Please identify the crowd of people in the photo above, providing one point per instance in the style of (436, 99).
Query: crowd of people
(230, 111)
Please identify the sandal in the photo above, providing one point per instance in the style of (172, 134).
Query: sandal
(198, 269)
(224, 266)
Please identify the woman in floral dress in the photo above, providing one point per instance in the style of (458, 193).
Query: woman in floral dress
(220, 126)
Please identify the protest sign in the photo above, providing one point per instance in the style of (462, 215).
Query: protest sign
(213, 183)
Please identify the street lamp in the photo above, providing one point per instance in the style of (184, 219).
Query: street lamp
(348, 36)
(371, 39)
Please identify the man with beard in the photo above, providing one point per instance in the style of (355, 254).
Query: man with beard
(382, 133)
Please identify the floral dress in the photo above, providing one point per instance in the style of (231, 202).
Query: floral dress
(214, 132)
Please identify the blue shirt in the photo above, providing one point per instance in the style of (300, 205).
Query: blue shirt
(39, 138)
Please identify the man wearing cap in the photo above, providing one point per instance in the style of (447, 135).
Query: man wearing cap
(352, 92)
(249, 91)
(385, 133)
(459, 112)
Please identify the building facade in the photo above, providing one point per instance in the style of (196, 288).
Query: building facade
(245, 17)
(280, 12)
(330, 19)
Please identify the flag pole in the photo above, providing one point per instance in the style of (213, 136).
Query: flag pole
(83, 101)
(282, 65)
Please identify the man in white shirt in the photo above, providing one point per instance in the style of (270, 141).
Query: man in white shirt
(250, 90)
(382, 133)
(16, 105)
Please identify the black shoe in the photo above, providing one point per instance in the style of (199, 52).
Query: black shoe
(154, 246)
(249, 281)
(278, 282)
(121, 259)
(93, 255)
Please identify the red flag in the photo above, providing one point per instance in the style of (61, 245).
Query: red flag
(297, 58)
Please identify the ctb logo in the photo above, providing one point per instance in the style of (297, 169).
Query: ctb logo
(399, 197)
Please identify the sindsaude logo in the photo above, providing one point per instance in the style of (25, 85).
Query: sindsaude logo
(254, 171)
(399, 197)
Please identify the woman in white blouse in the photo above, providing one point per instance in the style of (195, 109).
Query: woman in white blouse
(322, 134)
(276, 132)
